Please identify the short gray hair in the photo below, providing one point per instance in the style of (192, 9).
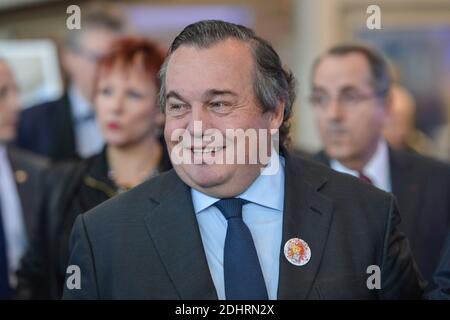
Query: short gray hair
(272, 83)
(381, 77)
(98, 16)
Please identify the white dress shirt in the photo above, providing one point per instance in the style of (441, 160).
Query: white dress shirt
(263, 216)
(13, 221)
(88, 137)
(377, 169)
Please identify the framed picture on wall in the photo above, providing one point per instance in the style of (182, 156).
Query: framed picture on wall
(36, 68)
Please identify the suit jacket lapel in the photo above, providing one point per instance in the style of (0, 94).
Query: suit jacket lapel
(64, 145)
(403, 185)
(174, 230)
(322, 158)
(307, 215)
(24, 189)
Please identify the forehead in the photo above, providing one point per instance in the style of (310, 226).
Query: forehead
(336, 71)
(225, 65)
(97, 39)
(134, 69)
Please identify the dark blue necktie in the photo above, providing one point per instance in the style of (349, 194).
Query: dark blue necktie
(4, 280)
(242, 272)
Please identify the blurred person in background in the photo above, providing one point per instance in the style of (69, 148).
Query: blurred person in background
(351, 101)
(442, 276)
(66, 128)
(130, 120)
(21, 178)
(442, 140)
(400, 128)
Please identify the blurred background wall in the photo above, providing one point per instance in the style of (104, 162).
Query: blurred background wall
(415, 35)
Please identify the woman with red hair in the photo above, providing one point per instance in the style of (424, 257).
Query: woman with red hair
(125, 99)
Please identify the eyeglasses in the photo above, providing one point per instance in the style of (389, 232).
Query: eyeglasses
(346, 99)
(87, 54)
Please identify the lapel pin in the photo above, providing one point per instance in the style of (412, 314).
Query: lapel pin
(297, 252)
(21, 176)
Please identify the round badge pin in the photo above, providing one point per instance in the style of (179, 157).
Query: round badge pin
(297, 252)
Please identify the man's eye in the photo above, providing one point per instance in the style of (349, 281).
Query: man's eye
(3, 92)
(318, 99)
(220, 105)
(351, 97)
(106, 91)
(176, 108)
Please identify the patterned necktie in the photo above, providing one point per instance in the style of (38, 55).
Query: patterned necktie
(242, 272)
(4, 280)
(364, 178)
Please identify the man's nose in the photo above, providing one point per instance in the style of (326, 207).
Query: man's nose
(335, 110)
(198, 121)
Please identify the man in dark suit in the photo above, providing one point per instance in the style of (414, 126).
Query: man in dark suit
(442, 276)
(350, 97)
(222, 226)
(66, 128)
(21, 179)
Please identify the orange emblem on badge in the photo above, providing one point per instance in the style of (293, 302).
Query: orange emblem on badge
(297, 252)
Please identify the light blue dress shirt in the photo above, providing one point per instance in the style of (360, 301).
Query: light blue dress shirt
(12, 215)
(88, 137)
(263, 216)
(377, 169)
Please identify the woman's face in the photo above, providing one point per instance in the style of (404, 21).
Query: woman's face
(125, 101)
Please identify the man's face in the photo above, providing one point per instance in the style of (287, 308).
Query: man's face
(81, 62)
(349, 115)
(9, 104)
(215, 86)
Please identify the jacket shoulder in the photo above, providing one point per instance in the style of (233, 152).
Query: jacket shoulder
(427, 171)
(425, 162)
(28, 159)
(349, 194)
(43, 109)
(128, 204)
(338, 183)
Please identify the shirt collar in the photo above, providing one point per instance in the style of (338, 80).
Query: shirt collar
(377, 169)
(80, 106)
(261, 191)
(2, 150)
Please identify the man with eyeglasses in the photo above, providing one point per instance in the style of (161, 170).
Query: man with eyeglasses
(66, 128)
(351, 101)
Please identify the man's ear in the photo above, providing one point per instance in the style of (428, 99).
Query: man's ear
(388, 105)
(277, 116)
(68, 59)
(160, 118)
